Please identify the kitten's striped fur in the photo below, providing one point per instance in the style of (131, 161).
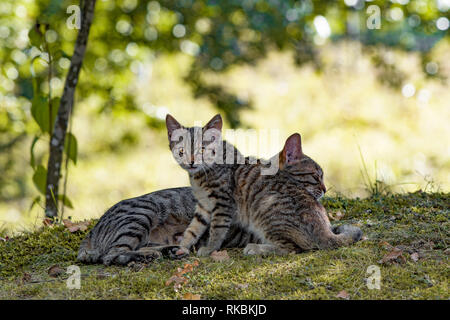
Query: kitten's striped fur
(279, 209)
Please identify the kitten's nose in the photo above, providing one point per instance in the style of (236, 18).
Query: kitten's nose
(192, 162)
(323, 188)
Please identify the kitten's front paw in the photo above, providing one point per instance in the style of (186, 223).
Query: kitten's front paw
(173, 252)
(204, 252)
(181, 252)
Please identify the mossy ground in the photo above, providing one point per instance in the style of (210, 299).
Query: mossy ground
(416, 223)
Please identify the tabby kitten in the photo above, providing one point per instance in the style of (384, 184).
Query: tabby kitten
(284, 215)
(146, 227)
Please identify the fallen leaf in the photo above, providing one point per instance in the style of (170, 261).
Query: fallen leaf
(74, 227)
(177, 282)
(385, 244)
(415, 257)
(187, 268)
(343, 295)
(396, 255)
(55, 271)
(220, 256)
(191, 296)
(47, 222)
(178, 279)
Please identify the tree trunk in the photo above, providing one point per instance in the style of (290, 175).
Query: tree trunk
(64, 111)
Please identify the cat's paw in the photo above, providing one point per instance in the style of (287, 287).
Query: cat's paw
(251, 249)
(174, 252)
(204, 251)
(182, 252)
(147, 254)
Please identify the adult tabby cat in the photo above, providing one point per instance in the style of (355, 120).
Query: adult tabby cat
(285, 216)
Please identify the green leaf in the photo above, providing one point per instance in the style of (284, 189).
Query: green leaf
(57, 55)
(35, 37)
(40, 178)
(71, 147)
(65, 200)
(37, 81)
(40, 112)
(65, 55)
(33, 160)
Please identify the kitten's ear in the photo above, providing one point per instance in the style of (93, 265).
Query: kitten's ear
(214, 123)
(171, 125)
(292, 151)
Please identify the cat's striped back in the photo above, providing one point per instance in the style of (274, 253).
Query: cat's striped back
(142, 227)
(156, 218)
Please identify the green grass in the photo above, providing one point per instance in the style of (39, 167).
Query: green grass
(415, 222)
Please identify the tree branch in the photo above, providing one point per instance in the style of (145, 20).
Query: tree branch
(65, 109)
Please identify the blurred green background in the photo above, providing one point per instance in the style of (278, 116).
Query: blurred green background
(372, 105)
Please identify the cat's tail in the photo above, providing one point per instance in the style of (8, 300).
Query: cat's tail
(342, 236)
(349, 231)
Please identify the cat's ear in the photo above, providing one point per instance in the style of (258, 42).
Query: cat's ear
(171, 125)
(214, 123)
(292, 151)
